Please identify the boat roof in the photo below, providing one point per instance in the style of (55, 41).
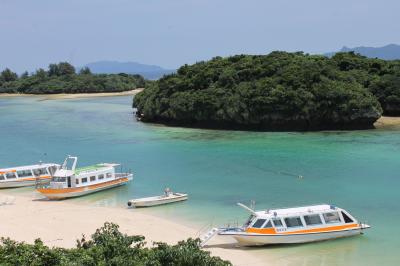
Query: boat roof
(297, 210)
(94, 168)
(25, 167)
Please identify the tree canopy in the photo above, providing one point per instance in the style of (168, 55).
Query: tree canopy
(289, 91)
(62, 78)
(108, 247)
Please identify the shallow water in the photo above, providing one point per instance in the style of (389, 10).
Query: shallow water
(358, 171)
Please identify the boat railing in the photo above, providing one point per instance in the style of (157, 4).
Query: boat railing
(123, 175)
(232, 224)
(229, 225)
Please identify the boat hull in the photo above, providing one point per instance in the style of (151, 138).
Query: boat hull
(28, 182)
(155, 201)
(65, 193)
(246, 239)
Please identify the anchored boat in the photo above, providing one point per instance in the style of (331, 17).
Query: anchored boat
(168, 197)
(74, 182)
(292, 225)
(28, 175)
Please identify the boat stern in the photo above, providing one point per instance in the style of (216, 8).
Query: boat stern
(127, 176)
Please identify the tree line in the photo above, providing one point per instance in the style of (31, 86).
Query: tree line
(281, 90)
(108, 247)
(63, 78)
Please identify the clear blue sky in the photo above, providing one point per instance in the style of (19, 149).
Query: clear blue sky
(169, 33)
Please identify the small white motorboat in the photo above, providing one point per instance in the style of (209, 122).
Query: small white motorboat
(168, 197)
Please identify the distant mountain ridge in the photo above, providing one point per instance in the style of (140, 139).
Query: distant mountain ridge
(387, 52)
(115, 67)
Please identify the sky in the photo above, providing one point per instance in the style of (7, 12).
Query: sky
(170, 33)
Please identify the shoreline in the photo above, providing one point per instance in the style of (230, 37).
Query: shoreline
(72, 95)
(60, 223)
(383, 123)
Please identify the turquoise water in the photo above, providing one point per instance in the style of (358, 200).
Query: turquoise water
(358, 171)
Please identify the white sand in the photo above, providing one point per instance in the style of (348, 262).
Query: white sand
(387, 122)
(72, 95)
(60, 223)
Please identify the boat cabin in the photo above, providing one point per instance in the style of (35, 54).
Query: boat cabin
(29, 171)
(294, 219)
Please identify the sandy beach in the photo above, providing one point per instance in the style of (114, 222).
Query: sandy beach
(72, 95)
(60, 223)
(387, 122)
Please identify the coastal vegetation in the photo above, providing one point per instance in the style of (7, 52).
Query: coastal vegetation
(107, 246)
(278, 91)
(62, 78)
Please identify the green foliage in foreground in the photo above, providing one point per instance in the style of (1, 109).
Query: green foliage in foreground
(276, 91)
(108, 246)
(61, 78)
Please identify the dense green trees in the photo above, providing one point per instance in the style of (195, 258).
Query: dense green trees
(62, 78)
(7, 75)
(108, 246)
(290, 91)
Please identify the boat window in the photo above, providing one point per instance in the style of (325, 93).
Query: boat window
(312, 219)
(268, 225)
(277, 222)
(109, 175)
(346, 218)
(331, 217)
(52, 169)
(40, 171)
(259, 223)
(10, 175)
(24, 173)
(92, 178)
(293, 222)
(1, 177)
(100, 176)
(77, 181)
(59, 179)
(84, 180)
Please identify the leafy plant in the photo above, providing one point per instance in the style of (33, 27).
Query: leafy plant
(108, 247)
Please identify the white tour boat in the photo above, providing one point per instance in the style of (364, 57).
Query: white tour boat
(23, 176)
(74, 182)
(168, 197)
(292, 225)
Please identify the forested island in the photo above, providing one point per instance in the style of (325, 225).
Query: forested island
(62, 78)
(278, 91)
